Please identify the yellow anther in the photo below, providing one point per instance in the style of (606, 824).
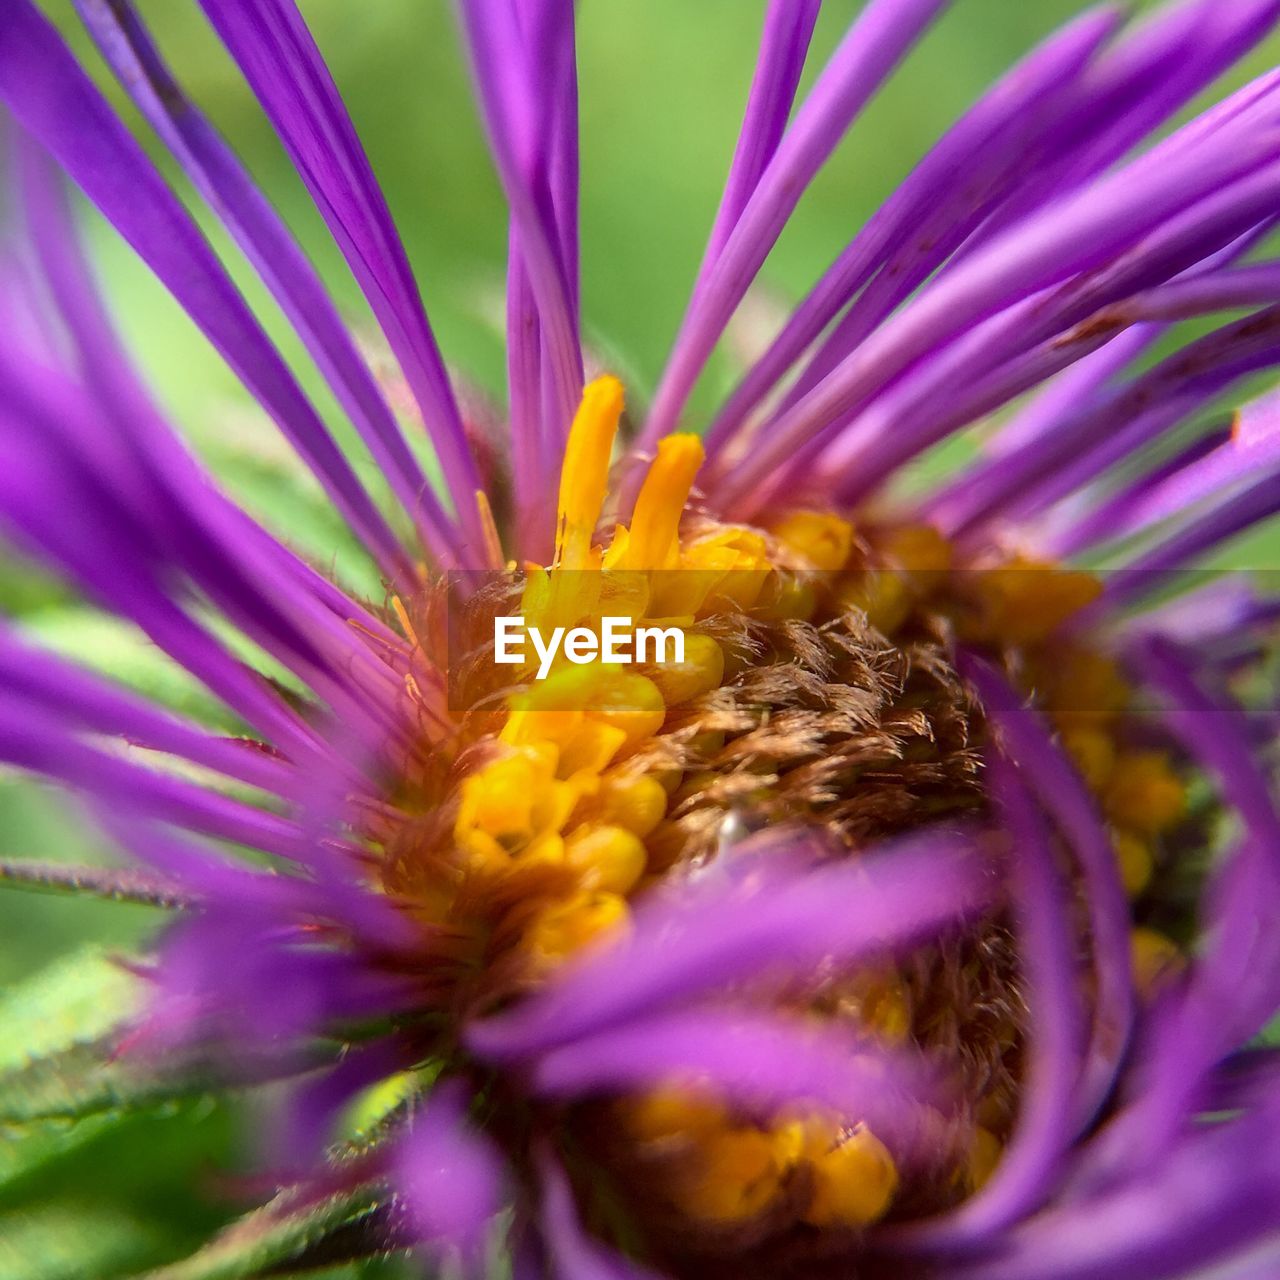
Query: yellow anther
(853, 1183)
(1080, 687)
(1133, 855)
(590, 747)
(560, 929)
(609, 858)
(557, 708)
(722, 569)
(1144, 793)
(584, 477)
(669, 1113)
(701, 671)
(489, 530)
(919, 550)
(821, 540)
(637, 803)
(500, 798)
(738, 1174)
(885, 598)
(883, 1004)
(406, 625)
(984, 1154)
(632, 703)
(1156, 960)
(1025, 602)
(655, 525)
(515, 807)
(1093, 752)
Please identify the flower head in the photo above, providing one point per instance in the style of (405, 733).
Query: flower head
(918, 911)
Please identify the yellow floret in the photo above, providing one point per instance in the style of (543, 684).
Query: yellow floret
(701, 671)
(820, 539)
(584, 476)
(610, 858)
(885, 597)
(854, 1182)
(1156, 959)
(560, 929)
(738, 1174)
(637, 803)
(984, 1155)
(1026, 601)
(1133, 855)
(1144, 793)
(653, 536)
(1093, 752)
(667, 1113)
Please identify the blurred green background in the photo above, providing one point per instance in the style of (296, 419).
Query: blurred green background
(663, 84)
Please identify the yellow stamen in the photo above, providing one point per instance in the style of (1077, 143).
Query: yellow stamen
(884, 597)
(738, 1175)
(561, 929)
(1133, 854)
(984, 1155)
(1093, 752)
(609, 858)
(584, 478)
(638, 803)
(489, 530)
(1156, 960)
(402, 614)
(701, 671)
(822, 540)
(666, 1113)
(1144, 793)
(854, 1182)
(652, 539)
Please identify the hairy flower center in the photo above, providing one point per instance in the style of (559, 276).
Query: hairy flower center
(817, 692)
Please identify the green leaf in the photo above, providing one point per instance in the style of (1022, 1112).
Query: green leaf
(76, 1001)
(155, 1175)
(55, 1242)
(286, 1231)
(117, 884)
(87, 1080)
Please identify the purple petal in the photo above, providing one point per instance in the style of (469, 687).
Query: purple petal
(1125, 421)
(765, 1060)
(1070, 237)
(305, 1126)
(876, 42)
(784, 44)
(1205, 474)
(30, 739)
(512, 106)
(65, 689)
(765, 921)
(268, 243)
(1227, 517)
(576, 1255)
(1059, 788)
(275, 51)
(450, 1178)
(927, 217)
(56, 102)
(1047, 1112)
(1197, 1209)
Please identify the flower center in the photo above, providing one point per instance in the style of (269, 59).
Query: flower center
(817, 691)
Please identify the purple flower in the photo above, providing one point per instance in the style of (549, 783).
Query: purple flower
(924, 916)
